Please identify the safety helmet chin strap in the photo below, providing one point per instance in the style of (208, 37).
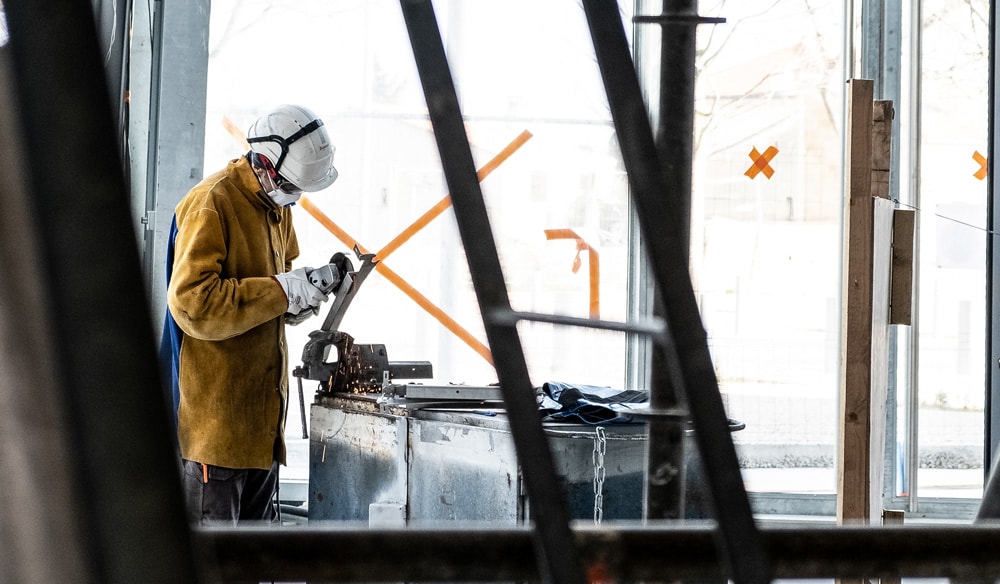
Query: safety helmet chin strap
(284, 143)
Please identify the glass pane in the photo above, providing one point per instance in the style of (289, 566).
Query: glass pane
(766, 232)
(558, 203)
(952, 245)
(352, 63)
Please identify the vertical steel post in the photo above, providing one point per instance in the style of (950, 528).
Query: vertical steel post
(992, 437)
(664, 497)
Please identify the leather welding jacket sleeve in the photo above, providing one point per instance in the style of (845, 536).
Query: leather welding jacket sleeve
(233, 379)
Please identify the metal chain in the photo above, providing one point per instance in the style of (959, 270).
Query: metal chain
(600, 447)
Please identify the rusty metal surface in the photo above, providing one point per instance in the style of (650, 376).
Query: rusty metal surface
(366, 451)
(459, 472)
(443, 464)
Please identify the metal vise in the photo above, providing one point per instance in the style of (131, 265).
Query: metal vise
(359, 368)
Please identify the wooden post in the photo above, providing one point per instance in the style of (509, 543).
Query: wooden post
(856, 359)
(882, 224)
(891, 518)
(868, 266)
(868, 261)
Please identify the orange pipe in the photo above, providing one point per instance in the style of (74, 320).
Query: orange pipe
(448, 322)
(551, 234)
(444, 203)
(595, 282)
(593, 261)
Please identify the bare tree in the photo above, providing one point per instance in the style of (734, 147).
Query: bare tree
(711, 45)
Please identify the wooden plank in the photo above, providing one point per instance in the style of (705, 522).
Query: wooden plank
(879, 392)
(882, 115)
(901, 300)
(891, 518)
(853, 449)
(881, 156)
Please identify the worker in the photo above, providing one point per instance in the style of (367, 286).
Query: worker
(231, 291)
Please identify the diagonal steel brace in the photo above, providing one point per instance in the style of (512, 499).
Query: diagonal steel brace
(558, 558)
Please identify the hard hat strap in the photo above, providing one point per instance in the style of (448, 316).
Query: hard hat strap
(284, 143)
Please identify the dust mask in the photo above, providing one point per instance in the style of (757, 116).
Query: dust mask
(283, 199)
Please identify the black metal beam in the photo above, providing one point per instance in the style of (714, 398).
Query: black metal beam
(992, 409)
(558, 559)
(124, 466)
(667, 244)
(624, 554)
(664, 493)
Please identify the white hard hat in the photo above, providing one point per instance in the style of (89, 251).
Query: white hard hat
(296, 143)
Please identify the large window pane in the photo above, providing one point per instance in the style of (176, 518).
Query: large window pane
(766, 216)
(952, 240)
(766, 230)
(519, 67)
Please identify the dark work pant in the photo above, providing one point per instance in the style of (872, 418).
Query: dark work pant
(230, 496)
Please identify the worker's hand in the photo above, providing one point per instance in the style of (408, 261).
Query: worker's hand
(301, 293)
(294, 319)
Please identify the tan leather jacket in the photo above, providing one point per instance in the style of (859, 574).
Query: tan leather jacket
(233, 375)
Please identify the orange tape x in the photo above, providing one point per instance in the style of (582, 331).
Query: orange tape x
(981, 173)
(394, 278)
(761, 162)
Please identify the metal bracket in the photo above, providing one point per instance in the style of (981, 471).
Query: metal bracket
(148, 220)
(655, 328)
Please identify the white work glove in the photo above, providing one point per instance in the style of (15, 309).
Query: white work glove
(294, 319)
(301, 293)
